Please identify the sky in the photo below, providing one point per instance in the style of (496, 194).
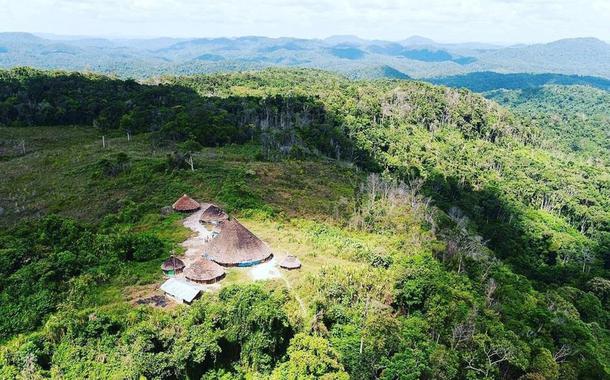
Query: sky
(495, 21)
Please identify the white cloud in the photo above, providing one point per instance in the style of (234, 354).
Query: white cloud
(444, 20)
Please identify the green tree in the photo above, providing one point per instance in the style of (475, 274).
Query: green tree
(310, 357)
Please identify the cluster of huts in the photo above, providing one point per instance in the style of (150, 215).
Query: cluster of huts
(231, 245)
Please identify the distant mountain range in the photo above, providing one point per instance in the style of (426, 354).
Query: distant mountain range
(414, 57)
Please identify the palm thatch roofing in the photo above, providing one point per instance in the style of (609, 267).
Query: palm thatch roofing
(290, 262)
(186, 203)
(237, 246)
(172, 263)
(213, 214)
(204, 271)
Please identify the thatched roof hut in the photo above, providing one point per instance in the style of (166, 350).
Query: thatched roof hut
(213, 215)
(237, 246)
(290, 262)
(204, 272)
(172, 266)
(186, 204)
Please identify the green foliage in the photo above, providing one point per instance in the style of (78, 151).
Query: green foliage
(310, 357)
(138, 247)
(175, 113)
(544, 364)
(244, 321)
(46, 262)
(476, 253)
(573, 118)
(489, 81)
(256, 322)
(116, 166)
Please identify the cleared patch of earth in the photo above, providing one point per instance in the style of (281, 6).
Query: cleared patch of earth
(265, 271)
(195, 245)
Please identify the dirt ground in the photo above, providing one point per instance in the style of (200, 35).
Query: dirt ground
(195, 245)
(265, 271)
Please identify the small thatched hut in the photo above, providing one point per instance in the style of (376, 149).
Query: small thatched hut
(204, 272)
(172, 266)
(290, 262)
(237, 246)
(213, 215)
(186, 204)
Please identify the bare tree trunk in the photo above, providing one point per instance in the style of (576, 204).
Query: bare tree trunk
(366, 309)
(128, 136)
(190, 162)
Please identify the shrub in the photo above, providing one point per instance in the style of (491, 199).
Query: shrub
(138, 247)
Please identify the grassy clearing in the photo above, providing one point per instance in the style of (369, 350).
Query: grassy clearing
(338, 248)
(66, 177)
(291, 205)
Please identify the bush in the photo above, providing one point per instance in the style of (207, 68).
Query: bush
(138, 247)
(113, 167)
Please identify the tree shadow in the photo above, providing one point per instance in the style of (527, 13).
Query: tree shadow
(507, 229)
(288, 124)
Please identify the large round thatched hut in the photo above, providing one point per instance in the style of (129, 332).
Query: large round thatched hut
(204, 272)
(290, 262)
(237, 246)
(186, 204)
(172, 266)
(213, 215)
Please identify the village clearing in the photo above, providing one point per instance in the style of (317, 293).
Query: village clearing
(195, 244)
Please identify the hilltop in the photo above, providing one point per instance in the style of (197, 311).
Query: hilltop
(439, 235)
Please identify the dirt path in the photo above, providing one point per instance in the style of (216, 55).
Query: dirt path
(296, 296)
(195, 243)
(194, 246)
(271, 270)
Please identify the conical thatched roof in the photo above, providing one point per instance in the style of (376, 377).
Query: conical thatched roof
(172, 263)
(290, 262)
(204, 271)
(236, 245)
(186, 203)
(213, 214)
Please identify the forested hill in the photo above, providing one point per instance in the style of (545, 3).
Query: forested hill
(575, 119)
(440, 237)
(490, 81)
(349, 55)
(474, 155)
(573, 112)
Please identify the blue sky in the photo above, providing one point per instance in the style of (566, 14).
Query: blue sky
(506, 21)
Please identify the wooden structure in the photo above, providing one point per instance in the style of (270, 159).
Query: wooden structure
(172, 266)
(213, 215)
(204, 272)
(186, 204)
(237, 246)
(290, 262)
